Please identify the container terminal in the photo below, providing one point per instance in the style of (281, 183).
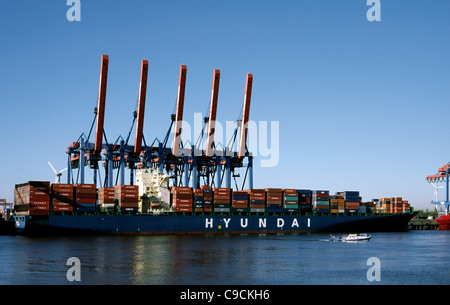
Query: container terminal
(183, 188)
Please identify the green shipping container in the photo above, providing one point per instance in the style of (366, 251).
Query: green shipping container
(294, 198)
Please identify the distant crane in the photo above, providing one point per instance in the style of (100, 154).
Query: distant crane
(58, 174)
(441, 176)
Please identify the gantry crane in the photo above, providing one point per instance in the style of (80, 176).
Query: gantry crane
(82, 152)
(442, 176)
(183, 162)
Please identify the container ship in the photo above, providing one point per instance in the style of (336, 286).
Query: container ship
(45, 208)
(184, 188)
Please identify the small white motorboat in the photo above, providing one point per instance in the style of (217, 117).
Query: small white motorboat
(352, 237)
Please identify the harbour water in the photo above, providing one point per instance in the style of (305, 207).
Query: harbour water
(413, 257)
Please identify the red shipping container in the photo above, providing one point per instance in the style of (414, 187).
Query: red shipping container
(255, 191)
(62, 194)
(187, 201)
(220, 189)
(38, 192)
(183, 205)
(106, 200)
(238, 201)
(222, 201)
(257, 197)
(257, 206)
(128, 204)
(180, 188)
(221, 198)
(222, 193)
(321, 195)
(106, 189)
(274, 197)
(62, 187)
(62, 208)
(85, 186)
(126, 187)
(182, 196)
(185, 210)
(239, 205)
(83, 196)
(85, 191)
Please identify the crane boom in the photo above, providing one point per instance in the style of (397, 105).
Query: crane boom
(101, 104)
(212, 113)
(179, 111)
(141, 107)
(245, 115)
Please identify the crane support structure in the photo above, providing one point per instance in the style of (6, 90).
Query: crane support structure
(212, 113)
(443, 175)
(245, 115)
(183, 163)
(141, 107)
(101, 104)
(179, 111)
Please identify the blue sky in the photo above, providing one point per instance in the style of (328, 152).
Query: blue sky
(361, 105)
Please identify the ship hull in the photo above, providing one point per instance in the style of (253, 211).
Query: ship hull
(205, 224)
(444, 222)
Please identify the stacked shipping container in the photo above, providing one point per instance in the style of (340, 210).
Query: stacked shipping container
(182, 199)
(239, 202)
(85, 197)
(257, 200)
(32, 198)
(304, 200)
(127, 197)
(321, 201)
(207, 198)
(62, 197)
(290, 201)
(222, 199)
(41, 198)
(385, 205)
(352, 200)
(106, 199)
(337, 204)
(398, 205)
(198, 200)
(274, 200)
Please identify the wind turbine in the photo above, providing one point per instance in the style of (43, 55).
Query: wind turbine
(58, 174)
(436, 188)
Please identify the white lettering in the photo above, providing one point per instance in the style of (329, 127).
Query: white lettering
(208, 223)
(295, 223)
(74, 272)
(201, 295)
(374, 13)
(280, 222)
(262, 222)
(272, 152)
(309, 222)
(227, 221)
(374, 272)
(74, 13)
(246, 223)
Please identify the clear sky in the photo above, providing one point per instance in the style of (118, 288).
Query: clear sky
(361, 105)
